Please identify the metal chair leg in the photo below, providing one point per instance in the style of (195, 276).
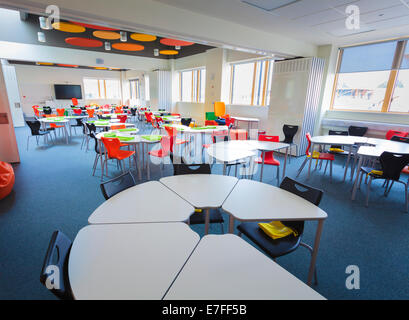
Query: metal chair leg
(368, 190)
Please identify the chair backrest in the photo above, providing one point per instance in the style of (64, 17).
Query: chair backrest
(304, 191)
(34, 126)
(77, 111)
(96, 146)
(167, 144)
(289, 133)
(79, 122)
(263, 137)
(47, 110)
(91, 127)
(186, 121)
(148, 116)
(118, 127)
(210, 116)
(400, 139)
(172, 131)
(219, 108)
(392, 133)
(116, 185)
(180, 167)
(112, 145)
(238, 134)
(74, 101)
(60, 112)
(338, 133)
(57, 255)
(133, 111)
(122, 118)
(357, 131)
(91, 112)
(392, 164)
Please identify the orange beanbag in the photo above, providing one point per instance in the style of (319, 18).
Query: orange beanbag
(6, 179)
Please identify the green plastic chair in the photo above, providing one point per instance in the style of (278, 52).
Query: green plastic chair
(210, 116)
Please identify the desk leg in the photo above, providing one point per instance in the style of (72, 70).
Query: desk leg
(262, 166)
(231, 224)
(315, 251)
(358, 169)
(207, 221)
(285, 160)
(347, 164)
(102, 161)
(224, 168)
(139, 164)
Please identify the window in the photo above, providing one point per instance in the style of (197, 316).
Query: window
(251, 83)
(102, 88)
(373, 78)
(135, 89)
(192, 85)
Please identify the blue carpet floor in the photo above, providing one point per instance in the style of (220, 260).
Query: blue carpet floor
(54, 189)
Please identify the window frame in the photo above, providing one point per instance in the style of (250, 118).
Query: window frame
(263, 82)
(137, 89)
(196, 83)
(401, 45)
(104, 88)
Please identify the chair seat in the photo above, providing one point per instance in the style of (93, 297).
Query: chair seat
(199, 217)
(325, 156)
(273, 248)
(158, 153)
(406, 170)
(123, 154)
(53, 125)
(369, 171)
(41, 132)
(269, 161)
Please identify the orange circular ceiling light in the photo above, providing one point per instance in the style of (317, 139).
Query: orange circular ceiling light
(169, 52)
(84, 42)
(107, 35)
(68, 27)
(93, 26)
(174, 42)
(67, 65)
(143, 37)
(127, 46)
(44, 63)
(100, 68)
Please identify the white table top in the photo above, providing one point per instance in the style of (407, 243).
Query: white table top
(129, 261)
(143, 203)
(246, 119)
(225, 267)
(228, 154)
(255, 201)
(186, 129)
(48, 120)
(203, 191)
(138, 138)
(339, 140)
(376, 151)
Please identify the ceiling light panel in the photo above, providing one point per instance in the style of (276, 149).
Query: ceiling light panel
(270, 5)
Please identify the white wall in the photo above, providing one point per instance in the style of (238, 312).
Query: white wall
(36, 84)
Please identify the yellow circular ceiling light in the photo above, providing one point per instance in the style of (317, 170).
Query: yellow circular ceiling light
(107, 35)
(169, 52)
(68, 27)
(142, 37)
(100, 68)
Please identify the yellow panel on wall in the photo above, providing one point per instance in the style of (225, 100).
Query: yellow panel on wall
(68, 27)
(142, 37)
(107, 35)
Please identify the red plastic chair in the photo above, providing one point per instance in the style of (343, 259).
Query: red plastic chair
(118, 126)
(211, 123)
(119, 110)
(90, 113)
(122, 118)
(172, 132)
(238, 134)
(74, 101)
(392, 133)
(316, 156)
(60, 112)
(214, 137)
(77, 111)
(148, 116)
(113, 147)
(36, 112)
(269, 156)
(7, 179)
(167, 147)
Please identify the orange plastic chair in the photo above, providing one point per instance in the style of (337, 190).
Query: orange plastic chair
(74, 101)
(60, 112)
(36, 112)
(90, 113)
(7, 179)
(219, 109)
(113, 147)
(118, 110)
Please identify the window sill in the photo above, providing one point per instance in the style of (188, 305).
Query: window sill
(245, 106)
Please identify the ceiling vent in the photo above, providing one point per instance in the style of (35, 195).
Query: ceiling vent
(269, 5)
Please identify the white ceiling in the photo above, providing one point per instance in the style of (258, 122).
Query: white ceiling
(316, 21)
